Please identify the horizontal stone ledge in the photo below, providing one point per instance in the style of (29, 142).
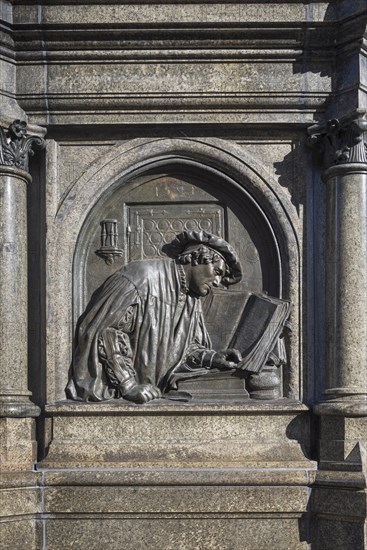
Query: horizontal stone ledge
(53, 465)
(177, 54)
(166, 407)
(180, 477)
(256, 117)
(259, 38)
(179, 13)
(203, 98)
(169, 499)
(16, 409)
(259, 531)
(339, 479)
(212, 41)
(340, 466)
(156, 516)
(19, 479)
(198, 109)
(164, 455)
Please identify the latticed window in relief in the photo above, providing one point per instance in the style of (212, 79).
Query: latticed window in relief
(154, 226)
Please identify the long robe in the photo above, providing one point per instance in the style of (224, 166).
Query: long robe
(167, 325)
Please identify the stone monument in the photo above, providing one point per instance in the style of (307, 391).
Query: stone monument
(183, 275)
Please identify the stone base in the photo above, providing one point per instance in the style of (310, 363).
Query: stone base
(18, 445)
(338, 496)
(176, 509)
(338, 504)
(20, 498)
(169, 509)
(162, 434)
(176, 476)
(191, 475)
(343, 443)
(18, 534)
(174, 534)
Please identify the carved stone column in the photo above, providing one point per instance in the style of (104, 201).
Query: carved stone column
(15, 148)
(344, 149)
(338, 499)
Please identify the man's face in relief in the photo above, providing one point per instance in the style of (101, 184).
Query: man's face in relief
(205, 276)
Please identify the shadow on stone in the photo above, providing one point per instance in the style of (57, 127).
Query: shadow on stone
(299, 429)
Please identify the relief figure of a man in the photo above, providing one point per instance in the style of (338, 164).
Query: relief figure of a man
(144, 330)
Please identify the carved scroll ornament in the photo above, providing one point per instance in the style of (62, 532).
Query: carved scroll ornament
(16, 146)
(341, 142)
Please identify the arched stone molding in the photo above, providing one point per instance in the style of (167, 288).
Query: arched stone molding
(238, 169)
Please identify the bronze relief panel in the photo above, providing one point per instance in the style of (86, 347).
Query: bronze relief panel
(138, 223)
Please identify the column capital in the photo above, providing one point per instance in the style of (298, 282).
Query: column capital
(16, 146)
(341, 142)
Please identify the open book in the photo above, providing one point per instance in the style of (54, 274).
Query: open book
(258, 330)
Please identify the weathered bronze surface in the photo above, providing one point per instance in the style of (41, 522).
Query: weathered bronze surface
(143, 331)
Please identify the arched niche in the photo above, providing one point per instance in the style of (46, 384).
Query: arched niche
(255, 216)
(163, 199)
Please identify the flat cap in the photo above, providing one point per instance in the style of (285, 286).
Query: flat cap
(188, 239)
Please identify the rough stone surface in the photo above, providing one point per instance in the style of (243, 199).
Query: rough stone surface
(18, 445)
(233, 477)
(214, 73)
(19, 502)
(165, 436)
(339, 534)
(167, 500)
(18, 534)
(182, 533)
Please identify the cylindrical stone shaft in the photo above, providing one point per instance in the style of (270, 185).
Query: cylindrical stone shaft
(346, 282)
(14, 394)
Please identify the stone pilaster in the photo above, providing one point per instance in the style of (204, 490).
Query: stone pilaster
(15, 148)
(344, 148)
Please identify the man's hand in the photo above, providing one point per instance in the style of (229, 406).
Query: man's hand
(142, 393)
(226, 359)
(231, 354)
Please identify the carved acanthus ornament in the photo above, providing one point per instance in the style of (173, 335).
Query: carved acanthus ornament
(341, 142)
(16, 146)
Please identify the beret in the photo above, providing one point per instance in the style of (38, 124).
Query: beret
(188, 239)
